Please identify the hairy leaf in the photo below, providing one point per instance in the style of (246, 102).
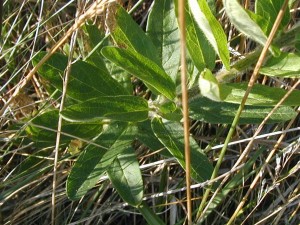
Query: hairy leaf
(211, 29)
(128, 34)
(242, 21)
(43, 129)
(162, 28)
(260, 95)
(86, 81)
(122, 108)
(148, 71)
(171, 135)
(286, 65)
(94, 160)
(269, 9)
(204, 109)
(209, 86)
(126, 177)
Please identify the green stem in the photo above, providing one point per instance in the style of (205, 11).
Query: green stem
(220, 160)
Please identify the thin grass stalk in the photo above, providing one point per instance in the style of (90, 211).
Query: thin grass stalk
(1, 16)
(241, 106)
(96, 8)
(59, 126)
(250, 144)
(186, 123)
(257, 177)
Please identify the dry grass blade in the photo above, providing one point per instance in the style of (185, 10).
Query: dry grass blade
(96, 8)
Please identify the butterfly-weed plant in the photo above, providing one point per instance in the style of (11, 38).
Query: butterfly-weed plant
(121, 139)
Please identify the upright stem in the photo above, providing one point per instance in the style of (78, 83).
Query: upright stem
(186, 124)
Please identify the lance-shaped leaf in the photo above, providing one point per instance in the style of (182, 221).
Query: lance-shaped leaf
(128, 34)
(171, 135)
(122, 108)
(148, 71)
(162, 28)
(126, 177)
(286, 65)
(269, 9)
(86, 81)
(211, 29)
(260, 95)
(200, 50)
(95, 159)
(148, 214)
(96, 41)
(207, 110)
(242, 21)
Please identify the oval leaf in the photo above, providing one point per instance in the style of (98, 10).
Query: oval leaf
(122, 108)
(269, 9)
(149, 215)
(126, 177)
(200, 50)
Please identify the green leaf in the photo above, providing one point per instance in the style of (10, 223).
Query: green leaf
(211, 28)
(128, 34)
(209, 86)
(162, 28)
(171, 135)
(147, 137)
(200, 50)
(286, 65)
(204, 109)
(43, 129)
(242, 21)
(86, 81)
(97, 40)
(269, 9)
(260, 95)
(94, 160)
(126, 177)
(148, 71)
(122, 108)
(149, 215)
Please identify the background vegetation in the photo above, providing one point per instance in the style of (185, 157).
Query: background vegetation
(134, 133)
